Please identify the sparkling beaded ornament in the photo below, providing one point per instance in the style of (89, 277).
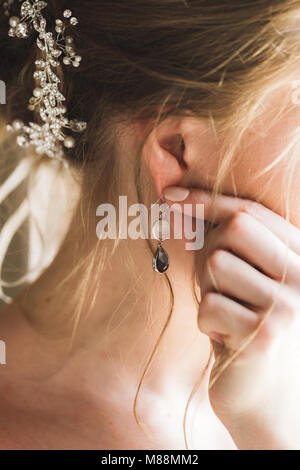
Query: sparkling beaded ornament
(161, 231)
(47, 138)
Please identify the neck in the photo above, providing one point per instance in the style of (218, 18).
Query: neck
(95, 350)
(124, 313)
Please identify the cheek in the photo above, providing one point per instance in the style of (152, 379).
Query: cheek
(278, 190)
(260, 149)
(260, 176)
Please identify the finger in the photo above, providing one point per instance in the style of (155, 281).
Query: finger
(218, 208)
(249, 239)
(219, 314)
(229, 275)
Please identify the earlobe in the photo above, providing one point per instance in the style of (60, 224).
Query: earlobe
(163, 153)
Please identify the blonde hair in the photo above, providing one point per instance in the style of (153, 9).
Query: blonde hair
(147, 61)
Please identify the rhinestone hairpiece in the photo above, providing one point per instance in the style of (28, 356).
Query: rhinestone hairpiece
(47, 138)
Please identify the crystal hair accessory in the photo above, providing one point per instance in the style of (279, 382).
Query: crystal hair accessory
(48, 137)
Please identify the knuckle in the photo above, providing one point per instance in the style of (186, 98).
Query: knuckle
(272, 296)
(281, 301)
(208, 302)
(252, 207)
(294, 269)
(266, 335)
(287, 307)
(283, 314)
(217, 259)
(207, 306)
(239, 223)
(202, 325)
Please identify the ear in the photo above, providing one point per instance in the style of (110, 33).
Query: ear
(163, 153)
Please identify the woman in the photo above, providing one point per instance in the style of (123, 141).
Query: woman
(191, 102)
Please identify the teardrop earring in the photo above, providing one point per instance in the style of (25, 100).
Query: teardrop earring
(161, 231)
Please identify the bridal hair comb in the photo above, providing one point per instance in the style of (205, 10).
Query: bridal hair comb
(47, 138)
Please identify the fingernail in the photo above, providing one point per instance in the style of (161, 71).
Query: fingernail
(176, 193)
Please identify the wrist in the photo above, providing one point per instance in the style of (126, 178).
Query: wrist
(254, 433)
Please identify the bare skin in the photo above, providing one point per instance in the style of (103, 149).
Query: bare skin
(54, 398)
(50, 400)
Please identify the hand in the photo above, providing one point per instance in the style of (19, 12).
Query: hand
(240, 268)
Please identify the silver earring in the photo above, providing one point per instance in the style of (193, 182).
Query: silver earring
(161, 231)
